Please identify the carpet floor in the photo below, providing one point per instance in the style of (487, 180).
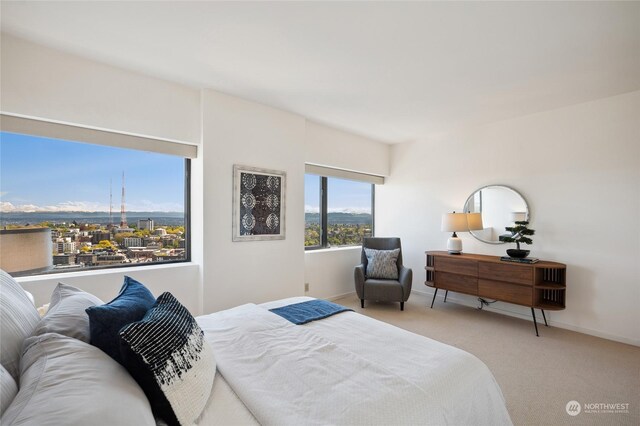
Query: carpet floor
(538, 375)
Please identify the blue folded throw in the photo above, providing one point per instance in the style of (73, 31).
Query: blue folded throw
(304, 312)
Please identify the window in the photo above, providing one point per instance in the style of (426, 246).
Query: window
(86, 205)
(338, 212)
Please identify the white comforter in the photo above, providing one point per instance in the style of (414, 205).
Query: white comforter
(348, 369)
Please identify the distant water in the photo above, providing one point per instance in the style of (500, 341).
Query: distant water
(101, 218)
(340, 218)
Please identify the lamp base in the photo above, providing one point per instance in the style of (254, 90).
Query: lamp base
(454, 245)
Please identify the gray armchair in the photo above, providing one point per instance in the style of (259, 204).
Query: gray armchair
(387, 290)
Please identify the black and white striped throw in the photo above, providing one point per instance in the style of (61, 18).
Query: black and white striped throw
(168, 356)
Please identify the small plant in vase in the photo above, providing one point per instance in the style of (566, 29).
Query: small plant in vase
(519, 234)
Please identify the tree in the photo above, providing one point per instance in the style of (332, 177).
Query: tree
(122, 235)
(105, 245)
(519, 233)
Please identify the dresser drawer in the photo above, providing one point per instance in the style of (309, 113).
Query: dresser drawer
(513, 293)
(456, 265)
(506, 272)
(456, 282)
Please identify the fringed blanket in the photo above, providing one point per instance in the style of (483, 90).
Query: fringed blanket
(312, 310)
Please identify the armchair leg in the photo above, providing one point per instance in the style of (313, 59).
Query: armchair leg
(402, 306)
(362, 303)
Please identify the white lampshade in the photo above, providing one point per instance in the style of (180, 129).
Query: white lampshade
(475, 221)
(454, 222)
(518, 216)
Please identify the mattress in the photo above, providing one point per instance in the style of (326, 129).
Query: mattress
(443, 384)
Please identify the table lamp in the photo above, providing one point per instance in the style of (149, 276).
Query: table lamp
(474, 221)
(454, 222)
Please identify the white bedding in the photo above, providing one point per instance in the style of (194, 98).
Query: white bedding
(224, 407)
(345, 369)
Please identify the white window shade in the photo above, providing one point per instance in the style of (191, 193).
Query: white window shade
(343, 174)
(49, 129)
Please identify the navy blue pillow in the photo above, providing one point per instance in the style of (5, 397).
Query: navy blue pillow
(105, 321)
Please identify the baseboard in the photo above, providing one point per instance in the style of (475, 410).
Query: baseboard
(469, 301)
(334, 298)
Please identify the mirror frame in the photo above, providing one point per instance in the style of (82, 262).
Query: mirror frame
(464, 208)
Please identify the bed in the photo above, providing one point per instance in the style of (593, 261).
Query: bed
(344, 369)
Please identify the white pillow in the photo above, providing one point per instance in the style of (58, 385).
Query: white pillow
(66, 314)
(18, 318)
(8, 389)
(65, 381)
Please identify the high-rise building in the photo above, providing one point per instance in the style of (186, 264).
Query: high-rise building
(132, 242)
(145, 224)
(97, 236)
(66, 246)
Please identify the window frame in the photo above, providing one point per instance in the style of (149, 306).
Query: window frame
(324, 222)
(41, 128)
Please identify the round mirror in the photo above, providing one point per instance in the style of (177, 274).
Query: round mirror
(500, 206)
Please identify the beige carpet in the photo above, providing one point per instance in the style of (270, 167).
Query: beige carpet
(538, 375)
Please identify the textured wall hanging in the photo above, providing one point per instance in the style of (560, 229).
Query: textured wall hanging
(258, 204)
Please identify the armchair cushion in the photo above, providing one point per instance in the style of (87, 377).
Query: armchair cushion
(382, 264)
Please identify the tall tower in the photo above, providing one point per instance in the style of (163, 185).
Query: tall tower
(110, 203)
(123, 214)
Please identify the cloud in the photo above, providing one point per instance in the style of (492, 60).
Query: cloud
(87, 206)
(352, 210)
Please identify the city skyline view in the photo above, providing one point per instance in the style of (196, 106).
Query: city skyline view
(63, 176)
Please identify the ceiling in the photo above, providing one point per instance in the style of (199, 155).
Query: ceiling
(392, 71)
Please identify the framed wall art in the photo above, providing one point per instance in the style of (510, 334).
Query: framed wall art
(258, 204)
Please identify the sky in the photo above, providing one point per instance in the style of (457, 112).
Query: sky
(42, 174)
(343, 195)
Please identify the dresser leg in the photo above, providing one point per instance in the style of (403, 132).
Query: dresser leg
(402, 306)
(446, 293)
(545, 318)
(362, 303)
(434, 297)
(533, 313)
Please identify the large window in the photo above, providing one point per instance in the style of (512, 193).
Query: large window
(338, 212)
(89, 205)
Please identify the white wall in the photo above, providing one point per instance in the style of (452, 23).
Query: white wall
(242, 132)
(45, 83)
(49, 84)
(578, 167)
(179, 279)
(329, 273)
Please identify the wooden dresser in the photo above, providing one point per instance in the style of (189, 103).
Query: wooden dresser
(540, 285)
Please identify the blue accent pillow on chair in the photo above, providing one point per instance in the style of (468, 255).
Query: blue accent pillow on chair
(105, 321)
